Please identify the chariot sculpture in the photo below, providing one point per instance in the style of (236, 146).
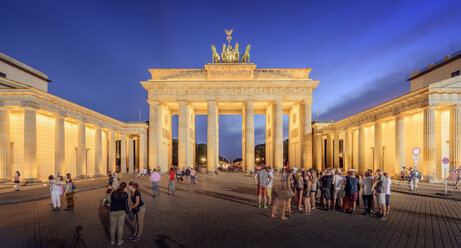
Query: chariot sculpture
(229, 55)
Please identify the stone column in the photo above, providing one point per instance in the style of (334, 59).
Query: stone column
(318, 151)
(112, 151)
(123, 153)
(81, 165)
(5, 166)
(399, 143)
(212, 137)
(278, 135)
(59, 145)
(142, 151)
(183, 136)
(249, 137)
(307, 142)
(98, 151)
(130, 155)
(336, 151)
(31, 170)
(378, 147)
(329, 151)
(243, 138)
(155, 137)
(347, 150)
(455, 136)
(361, 149)
(429, 144)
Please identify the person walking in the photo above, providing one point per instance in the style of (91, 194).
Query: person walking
(16, 180)
(282, 192)
(262, 179)
(117, 212)
(139, 210)
(325, 184)
(155, 179)
(55, 192)
(352, 189)
(380, 186)
(367, 192)
(187, 173)
(412, 179)
(69, 193)
(171, 182)
(338, 193)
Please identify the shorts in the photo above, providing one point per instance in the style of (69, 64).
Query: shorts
(16, 181)
(262, 190)
(306, 193)
(353, 196)
(381, 198)
(338, 194)
(269, 191)
(326, 194)
(299, 189)
(388, 198)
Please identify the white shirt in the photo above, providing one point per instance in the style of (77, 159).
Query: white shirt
(367, 185)
(339, 181)
(272, 181)
(388, 187)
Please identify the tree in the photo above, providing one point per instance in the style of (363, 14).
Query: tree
(200, 153)
(285, 151)
(260, 153)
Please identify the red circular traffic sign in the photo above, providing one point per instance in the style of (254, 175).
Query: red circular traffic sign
(416, 151)
(445, 160)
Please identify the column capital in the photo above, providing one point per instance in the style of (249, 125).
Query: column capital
(153, 102)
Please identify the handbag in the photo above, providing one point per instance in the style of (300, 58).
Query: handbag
(135, 210)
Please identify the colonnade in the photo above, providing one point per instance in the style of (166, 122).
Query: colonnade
(160, 137)
(432, 129)
(38, 147)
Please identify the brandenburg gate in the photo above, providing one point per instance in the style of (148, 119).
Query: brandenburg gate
(230, 86)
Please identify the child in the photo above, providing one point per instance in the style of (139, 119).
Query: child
(106, 201)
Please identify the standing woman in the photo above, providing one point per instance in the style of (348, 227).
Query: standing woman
(291, 186)
(115, 180)
(118, 203)
(16, 180)
(138, 209)
(55, 186)
(307, 192)
(314, 187)
(69, 192)
(299, 189)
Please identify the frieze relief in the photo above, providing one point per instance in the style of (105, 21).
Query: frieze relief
(230, 91)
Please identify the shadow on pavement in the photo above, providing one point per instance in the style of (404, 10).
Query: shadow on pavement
(77, 241)
(226, 197)
(244, 190)
(104, 218)
(164, 241)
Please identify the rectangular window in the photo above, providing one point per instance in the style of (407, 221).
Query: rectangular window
(454, 74)
(3, 75)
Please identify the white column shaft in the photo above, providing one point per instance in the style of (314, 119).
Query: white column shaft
(142, 151)
(278, 135)
(81, 165)
(183, 136)
(378, 147)
(5, 166)
(130, 155)
(98, 151)
(347, 150)
(336, 151)
(123, 157)
(31, 170)
(318, 152)
(429, 144)
(399, 144)
(212, 136)
(112, 151)
(307, 143)
(455, 136)
(361, 149)
(59, 157)
(249, 137)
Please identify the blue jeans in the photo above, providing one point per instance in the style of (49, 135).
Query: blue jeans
(171, 186)
(155, 188)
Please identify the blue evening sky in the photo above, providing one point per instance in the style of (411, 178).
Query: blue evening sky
(96, 52)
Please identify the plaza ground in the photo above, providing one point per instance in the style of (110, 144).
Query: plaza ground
(221, 211)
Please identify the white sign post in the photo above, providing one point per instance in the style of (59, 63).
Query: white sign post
(416, 151)
(445, 162)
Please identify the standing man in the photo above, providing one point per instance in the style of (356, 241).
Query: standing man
(262, 178)
(155, 178)
(325, 184)
(69, 192)
(338, 194)
(411, 179)
(171, 182)
(380, 186)
(352, 189)
(187, 175)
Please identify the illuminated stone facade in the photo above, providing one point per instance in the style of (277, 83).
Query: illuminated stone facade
(237, 89)
(429, 117)
(41, 134)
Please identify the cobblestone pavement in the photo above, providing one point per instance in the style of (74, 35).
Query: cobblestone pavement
(221, 212)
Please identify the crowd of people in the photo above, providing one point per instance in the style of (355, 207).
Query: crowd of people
(330, 189)
(61, 188)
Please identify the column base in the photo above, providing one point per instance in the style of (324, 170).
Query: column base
(430, 179)
(99, 175)
(249, 173)
(30, 180)
(82, 177)
(5, 180)
(211, 173)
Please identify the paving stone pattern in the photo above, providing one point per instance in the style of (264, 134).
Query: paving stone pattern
(221, 212)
